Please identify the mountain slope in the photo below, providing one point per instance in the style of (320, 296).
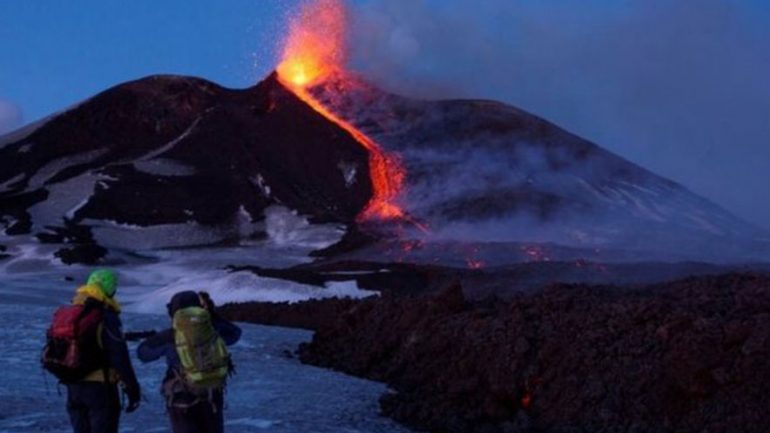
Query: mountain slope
(202, 164)
(487, 171)
(175, 150)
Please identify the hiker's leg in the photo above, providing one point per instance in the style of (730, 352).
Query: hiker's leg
(103, 403)
(78, 412)
(211, 413)
(185, 421)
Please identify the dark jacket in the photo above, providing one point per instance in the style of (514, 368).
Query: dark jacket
(114, 346)
(116, 349)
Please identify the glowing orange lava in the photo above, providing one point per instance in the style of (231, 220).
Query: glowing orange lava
(314, 51)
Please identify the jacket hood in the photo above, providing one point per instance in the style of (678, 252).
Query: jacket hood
(86, 292)
(181, 300)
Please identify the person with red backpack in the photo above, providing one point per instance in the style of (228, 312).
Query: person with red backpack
(198, 362)
(86, 351)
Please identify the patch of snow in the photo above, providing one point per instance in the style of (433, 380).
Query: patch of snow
(641, 188)
(226, 287)
(596, 192)
(6, 186)
(245, 224)
(286, 228)
(260, 183)
(131, 237)
(7, 222)
(349, 171)
(639, 208)
(701, 222)
(71, 213)
(28, 256)
(164, 167)
(170, 145)
(63, 198)
(58, 165)
(250, 422)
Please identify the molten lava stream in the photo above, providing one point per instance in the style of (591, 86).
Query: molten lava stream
(386, 172)
(314, 51)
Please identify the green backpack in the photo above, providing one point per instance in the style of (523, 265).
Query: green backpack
(202, 352)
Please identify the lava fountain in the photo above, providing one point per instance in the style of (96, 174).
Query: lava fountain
(314, 52)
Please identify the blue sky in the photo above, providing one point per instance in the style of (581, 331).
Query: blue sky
(677, 86)
(57, 52)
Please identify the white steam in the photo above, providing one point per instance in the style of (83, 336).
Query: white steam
(678, 86)
(10, 117)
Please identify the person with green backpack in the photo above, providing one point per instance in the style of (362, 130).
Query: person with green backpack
(198, 362)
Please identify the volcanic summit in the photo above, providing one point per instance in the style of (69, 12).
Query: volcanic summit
(169, 151)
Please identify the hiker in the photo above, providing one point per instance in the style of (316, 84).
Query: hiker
(91, 328)
(197, 360)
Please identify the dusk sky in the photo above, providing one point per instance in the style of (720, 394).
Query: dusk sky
(678, 86)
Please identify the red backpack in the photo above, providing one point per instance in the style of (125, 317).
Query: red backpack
(72, 350)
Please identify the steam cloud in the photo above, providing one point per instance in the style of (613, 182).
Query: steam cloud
(10, 117)
(677, 86)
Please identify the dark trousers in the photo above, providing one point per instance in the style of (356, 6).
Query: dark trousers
(202, 417)
(93, 407)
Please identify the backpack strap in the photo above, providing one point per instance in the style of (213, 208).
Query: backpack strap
(176, 385)
(88, 307)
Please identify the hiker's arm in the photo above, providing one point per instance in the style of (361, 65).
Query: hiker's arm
(226, 329)
(229, 332)
(117, 351)
(155, 347)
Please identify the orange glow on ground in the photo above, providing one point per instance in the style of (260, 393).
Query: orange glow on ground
(314, 51)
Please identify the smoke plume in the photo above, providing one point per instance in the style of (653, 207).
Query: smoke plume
(677, 86)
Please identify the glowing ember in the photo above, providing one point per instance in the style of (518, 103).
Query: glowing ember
(526, 400)
(472, 261)
(535, 253)
(475, 264)
(314, 51)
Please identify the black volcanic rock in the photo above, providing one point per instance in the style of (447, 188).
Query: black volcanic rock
(180, 150)
(688, 356)
(309, 315)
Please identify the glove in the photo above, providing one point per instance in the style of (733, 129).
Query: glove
(206, 301)
(134, 398)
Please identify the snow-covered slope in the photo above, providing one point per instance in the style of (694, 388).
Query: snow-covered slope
(486, 171)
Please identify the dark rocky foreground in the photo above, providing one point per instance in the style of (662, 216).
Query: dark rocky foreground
(685, 356)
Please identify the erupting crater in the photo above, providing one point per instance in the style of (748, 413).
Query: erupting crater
(313, 53)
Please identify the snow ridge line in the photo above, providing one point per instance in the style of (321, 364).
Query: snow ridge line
(170, 145)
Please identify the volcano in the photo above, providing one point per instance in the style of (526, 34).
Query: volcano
(185, 153)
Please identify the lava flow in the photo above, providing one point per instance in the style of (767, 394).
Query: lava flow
(313, 53)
